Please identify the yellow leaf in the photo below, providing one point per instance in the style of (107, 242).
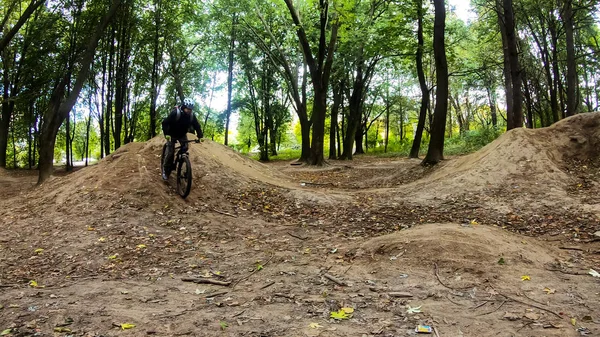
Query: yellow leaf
(127, 326)
(339, 314)
(39, 251)
(573, 321)
(112, 257)
(217, 273)
(315, 325)
(34, 284)
(102, 239)
(348, 310)
(525, 278)
(549, 290)
(151, 235)
(90, 228)
(142, 246)
(474, 222)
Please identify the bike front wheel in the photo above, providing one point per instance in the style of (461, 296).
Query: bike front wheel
(163, 158)
(184, 177)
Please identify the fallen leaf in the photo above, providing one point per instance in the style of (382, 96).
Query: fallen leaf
(501, 261)
(39, 251)
(60, 329)
(594, 273)
(339, 314)
(5, 332)
(532, 316)
(90, 228)
(525, 278)
(315, 325)
(259, 267)
(33, 284)
(474, 222)
(573, 321)
(199, 292)
(102, 239)
(142, 246)
(125, 326)
(348, 310)
(411, 310)
(112, 257)
(549, 290)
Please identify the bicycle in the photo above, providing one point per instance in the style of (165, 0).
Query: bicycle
(183, 168)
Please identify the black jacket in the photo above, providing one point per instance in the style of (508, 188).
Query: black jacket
(179, 127)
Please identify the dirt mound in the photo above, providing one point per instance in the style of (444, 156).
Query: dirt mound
(131, 176)
(537, 158)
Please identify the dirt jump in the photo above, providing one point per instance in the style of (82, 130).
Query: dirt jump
(502, 242)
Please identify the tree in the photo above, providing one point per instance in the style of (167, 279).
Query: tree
(58, 109)
(435, 153)
(320, 71)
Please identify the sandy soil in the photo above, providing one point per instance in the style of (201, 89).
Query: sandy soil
(113, 244)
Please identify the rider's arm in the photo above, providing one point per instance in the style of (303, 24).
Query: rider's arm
(197, 127)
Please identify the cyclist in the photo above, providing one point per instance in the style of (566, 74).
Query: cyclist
(175, 128)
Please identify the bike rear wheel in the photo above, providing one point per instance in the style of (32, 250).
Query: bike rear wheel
(184, 177)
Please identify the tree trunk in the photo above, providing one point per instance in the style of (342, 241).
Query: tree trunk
(6, 111)
(508, 85)
(387, 123)
(320, 70)
(416, 146)
(571, 64)
(230, 77)
(515, 71)
(156, 61)
(435, 153)
(338, 95)
(59, 110)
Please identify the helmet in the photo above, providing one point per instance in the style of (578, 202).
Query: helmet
(187, 103)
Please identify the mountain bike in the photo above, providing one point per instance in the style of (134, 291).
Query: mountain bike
(183, 168)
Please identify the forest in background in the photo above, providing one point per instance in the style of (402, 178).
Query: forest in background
(328, 79)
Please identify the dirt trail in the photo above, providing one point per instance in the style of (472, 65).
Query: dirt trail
(111, 243)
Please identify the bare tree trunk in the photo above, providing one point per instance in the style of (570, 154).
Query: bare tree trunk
(435, 153)
(515, 71)
(338, 96)
(230, 76)
(416, 146)
(571, 63)
(156, 60)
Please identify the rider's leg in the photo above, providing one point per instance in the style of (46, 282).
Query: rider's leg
(169, 158)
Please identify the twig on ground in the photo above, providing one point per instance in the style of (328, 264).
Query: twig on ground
(252, 273)
(500, 306)
(480, 305)
(225, 213)
(217, 294)
(206, 281)
(533, 305)
(297, 236)
(531, 299)
(335, 280)
(436, 332)
(267, 285)
(571, 248)
(239, 313)
(347, 270)
(440, 280)
(449, 299)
